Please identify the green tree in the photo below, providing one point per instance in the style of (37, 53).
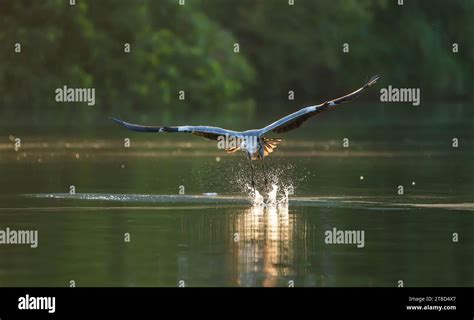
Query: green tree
(172, 48)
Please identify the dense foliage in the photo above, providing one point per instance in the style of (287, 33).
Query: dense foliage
(191, 48)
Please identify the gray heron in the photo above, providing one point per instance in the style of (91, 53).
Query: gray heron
(254, 142)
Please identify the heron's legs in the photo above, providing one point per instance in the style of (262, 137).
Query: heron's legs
(264, 174)
(251, 170)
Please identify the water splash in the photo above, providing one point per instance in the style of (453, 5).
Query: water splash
(281, 177)
(276, 196)
(287, 191)
(256, 198)
(272, 195)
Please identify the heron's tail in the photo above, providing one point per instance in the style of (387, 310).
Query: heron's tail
(269, 144)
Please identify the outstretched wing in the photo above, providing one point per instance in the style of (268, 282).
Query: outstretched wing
(212, 133)
(296, 119)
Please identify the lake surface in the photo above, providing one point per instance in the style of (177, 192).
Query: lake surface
(174, 210)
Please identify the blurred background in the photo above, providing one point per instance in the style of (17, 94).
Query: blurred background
(191, 48)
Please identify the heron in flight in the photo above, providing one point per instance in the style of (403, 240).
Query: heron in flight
(255, 142)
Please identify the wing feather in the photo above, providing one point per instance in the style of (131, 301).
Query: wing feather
(296, 119)
(212, 133)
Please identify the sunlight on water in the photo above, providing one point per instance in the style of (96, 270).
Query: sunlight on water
(277, 196)
(267, 245)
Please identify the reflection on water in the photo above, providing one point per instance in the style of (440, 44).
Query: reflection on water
(265, 245)
(235, 245)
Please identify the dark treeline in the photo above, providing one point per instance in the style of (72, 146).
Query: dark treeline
(192, 48)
